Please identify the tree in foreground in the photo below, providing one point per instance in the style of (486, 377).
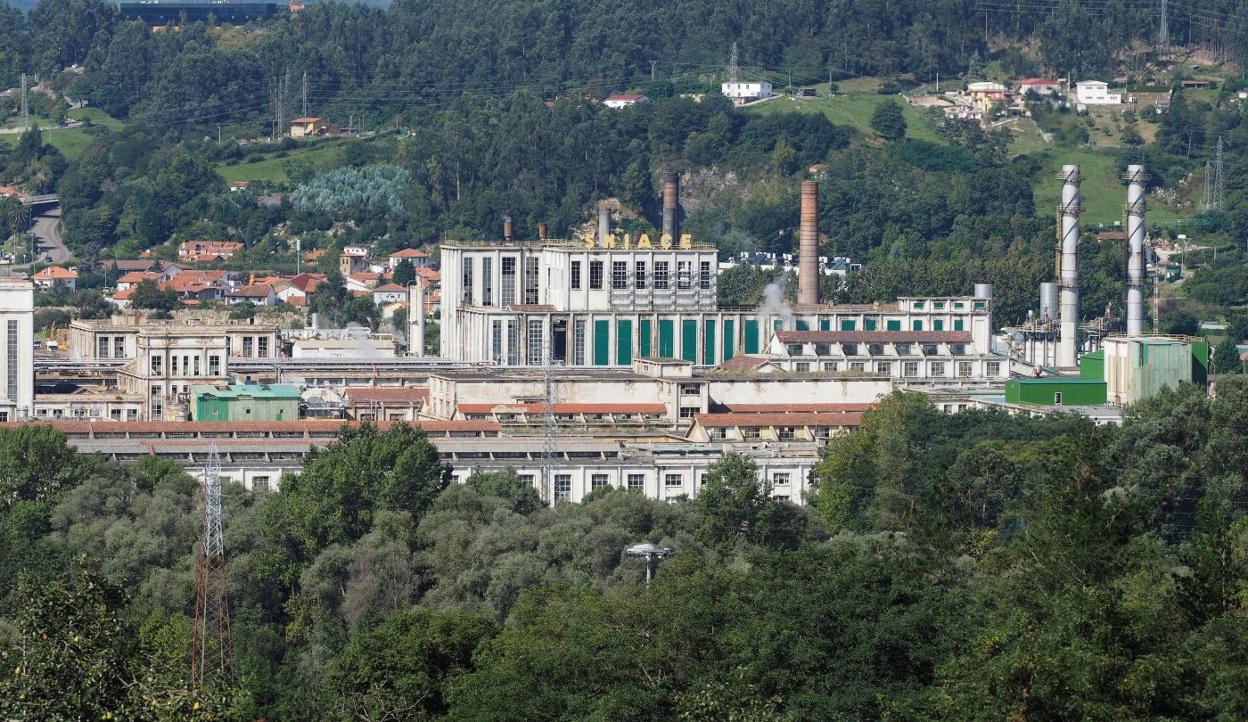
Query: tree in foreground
(889, 121)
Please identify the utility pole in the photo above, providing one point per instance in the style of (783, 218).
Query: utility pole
(1219, 181)
(212, 649)
(305, 93)
(25, 106)
(654, 64)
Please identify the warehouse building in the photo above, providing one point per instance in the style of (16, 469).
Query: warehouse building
(245, 402)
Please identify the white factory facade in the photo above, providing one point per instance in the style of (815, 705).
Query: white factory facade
(17, 370)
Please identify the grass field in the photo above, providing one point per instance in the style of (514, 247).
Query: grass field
(1102, 191)
(270, 168)
(70, 141)
(96, 116)
(854, 109)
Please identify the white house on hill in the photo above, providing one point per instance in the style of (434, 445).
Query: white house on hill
(1096, 92)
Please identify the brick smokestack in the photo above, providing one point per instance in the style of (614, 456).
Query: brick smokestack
(808, 246)
(671, 205)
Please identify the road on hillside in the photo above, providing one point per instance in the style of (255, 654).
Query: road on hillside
(47, 230)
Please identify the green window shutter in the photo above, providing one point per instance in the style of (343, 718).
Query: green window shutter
(957, 324)
(667, 339)
(624, 342)
(777, 325)
(730, 344)
(689, 340)
(708, 343)
(938, 325)
(644, 341)
(848, 324)
(751, 335)
(870, 323)
(918, 325)
(894, 325)
(803, 325)
(825, 324)
(602, 343)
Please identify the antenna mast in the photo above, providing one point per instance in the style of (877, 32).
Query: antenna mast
(732, 65)
(1219, 181)
(212, 649)
(1163, 34)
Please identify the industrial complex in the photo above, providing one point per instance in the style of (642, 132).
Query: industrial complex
(603, 360)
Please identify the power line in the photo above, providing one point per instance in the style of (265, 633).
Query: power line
(1219, 181)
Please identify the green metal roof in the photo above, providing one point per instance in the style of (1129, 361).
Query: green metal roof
(255, 391)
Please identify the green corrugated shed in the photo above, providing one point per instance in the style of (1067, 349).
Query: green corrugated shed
(1092, 366)
(689, 340)
(667, 338)
(708, 342)
(245, 402)
(1200, 363)
(751, 335)
(730, 341)
(1045, 391)
(624, 342)
(602, 343)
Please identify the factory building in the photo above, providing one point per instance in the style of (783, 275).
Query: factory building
(613, 298)
(17, 370)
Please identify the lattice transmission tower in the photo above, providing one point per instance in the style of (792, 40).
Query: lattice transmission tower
(550, 429)
(1219, 180)
(212, 647)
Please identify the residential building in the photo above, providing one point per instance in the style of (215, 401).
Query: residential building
(418, 259)
(389, 293)
(208, 251)
(55, 277)
(1095, 92)
(985, 94)
(624, 100)
(1040, 86)
(742, 93)
(310, 127)
(261, 294)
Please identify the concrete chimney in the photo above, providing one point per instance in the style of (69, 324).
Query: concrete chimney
(1068, 346)
(808, 246)
(1136, 203)
(507, 228)
(671, 205)
(416, 322)
(604, 225)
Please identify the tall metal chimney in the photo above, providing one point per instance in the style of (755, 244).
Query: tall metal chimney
(808, 246)
(507, 228)
(416, 323)
(671, 205)
(1068, 346)
(1136, 204)
(604, 224)
(541, 231)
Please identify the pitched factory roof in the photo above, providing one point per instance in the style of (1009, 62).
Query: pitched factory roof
(255, 391)
(874, 336)
(796, 408)
(563, 408)
(383, 393)
(765, 420)
(304, 427)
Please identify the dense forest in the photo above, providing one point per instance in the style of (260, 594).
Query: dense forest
(965, 567)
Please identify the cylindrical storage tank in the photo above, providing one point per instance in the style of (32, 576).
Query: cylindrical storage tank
(983, 291)
(1048, 302)
(671, 205)
(507, 228)
(808, 246)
